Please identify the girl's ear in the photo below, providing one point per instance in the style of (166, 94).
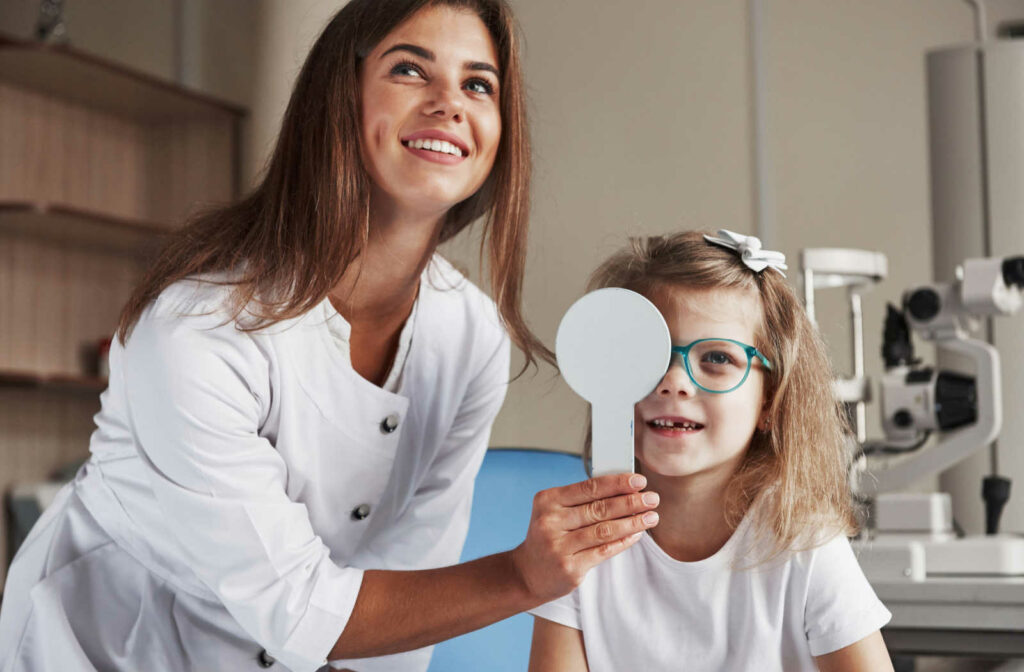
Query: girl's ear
(764, 422)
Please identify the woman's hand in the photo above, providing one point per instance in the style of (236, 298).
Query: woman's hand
(572, 529)
(575, 527)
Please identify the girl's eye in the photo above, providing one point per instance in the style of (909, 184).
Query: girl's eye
(717, 358)
(480, 86)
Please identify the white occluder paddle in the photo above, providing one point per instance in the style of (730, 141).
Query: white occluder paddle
(613, 347)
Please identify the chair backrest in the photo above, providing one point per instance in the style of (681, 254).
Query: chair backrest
(502, 503)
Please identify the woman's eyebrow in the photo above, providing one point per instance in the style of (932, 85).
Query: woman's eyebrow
(412, 48)
(428, 55)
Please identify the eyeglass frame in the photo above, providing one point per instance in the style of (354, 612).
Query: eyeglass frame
(751, 351)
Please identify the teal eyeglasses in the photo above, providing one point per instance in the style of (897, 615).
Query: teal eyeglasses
(718, 365)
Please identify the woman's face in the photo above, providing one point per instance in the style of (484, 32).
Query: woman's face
(431, 117)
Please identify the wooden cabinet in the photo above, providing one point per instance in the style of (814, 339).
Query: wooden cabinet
(96, 163)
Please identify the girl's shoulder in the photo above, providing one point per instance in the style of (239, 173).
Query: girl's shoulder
(761, 544)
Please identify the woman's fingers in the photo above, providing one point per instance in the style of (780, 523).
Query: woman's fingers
(609, 531)
(599, 487)
(594, 556)
(611, 508)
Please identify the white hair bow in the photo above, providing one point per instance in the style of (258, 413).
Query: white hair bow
(749, 249)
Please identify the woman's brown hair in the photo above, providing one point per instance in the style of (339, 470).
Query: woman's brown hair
(288, 242)
(797, 467)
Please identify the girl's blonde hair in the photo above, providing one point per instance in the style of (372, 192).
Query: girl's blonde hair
(797, 467)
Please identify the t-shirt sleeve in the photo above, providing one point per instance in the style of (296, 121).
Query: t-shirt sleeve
(565, 610)
(841, 607)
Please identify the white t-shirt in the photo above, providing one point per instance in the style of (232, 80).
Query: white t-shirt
(644, 610)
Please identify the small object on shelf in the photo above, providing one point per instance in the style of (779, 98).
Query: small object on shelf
(50, 27)
(103, 357)
(57, 382)
(94, 358)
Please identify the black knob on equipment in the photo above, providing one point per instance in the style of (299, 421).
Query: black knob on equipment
(1013, 271)
(924, 304)
(902, 418)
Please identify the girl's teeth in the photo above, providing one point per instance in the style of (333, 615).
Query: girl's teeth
(668, 424)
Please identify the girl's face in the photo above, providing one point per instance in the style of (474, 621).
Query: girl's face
(719, 426)
(431, 118)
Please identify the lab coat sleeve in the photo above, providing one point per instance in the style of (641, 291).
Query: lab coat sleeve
(197, 390)
(431, 530)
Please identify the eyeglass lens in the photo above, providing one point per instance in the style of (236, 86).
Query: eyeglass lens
(718, 365)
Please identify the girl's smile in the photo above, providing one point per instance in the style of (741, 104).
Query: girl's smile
(673, 426)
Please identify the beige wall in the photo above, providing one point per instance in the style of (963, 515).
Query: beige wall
(642, 123)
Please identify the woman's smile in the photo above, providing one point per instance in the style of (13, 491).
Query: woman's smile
(436, 146)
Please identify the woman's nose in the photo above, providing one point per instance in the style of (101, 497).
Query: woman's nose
(446, 101)
(676, 380)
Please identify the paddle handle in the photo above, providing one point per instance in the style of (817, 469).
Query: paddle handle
(611, 439)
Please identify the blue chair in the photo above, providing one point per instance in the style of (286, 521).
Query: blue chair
(502, 503)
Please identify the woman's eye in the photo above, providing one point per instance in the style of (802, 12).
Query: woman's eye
(407, 70)
(480, 86)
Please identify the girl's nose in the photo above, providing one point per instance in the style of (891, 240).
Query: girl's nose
(676, 380)
(446, 101)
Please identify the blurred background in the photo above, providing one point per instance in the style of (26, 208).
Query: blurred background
(805, 121)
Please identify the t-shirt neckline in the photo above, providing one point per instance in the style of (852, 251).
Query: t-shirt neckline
(722, 556)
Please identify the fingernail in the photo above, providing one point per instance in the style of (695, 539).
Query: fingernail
(637, 480)
(650, 518)
(651, 498)
(635, 536)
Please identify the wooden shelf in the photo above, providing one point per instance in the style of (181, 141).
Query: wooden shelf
(57, 382)
(97, 163)
(79, 226)
(70, 74)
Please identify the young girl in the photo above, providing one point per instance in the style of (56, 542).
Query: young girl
(749, 567)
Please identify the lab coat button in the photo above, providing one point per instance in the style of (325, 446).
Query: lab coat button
(265, 659)
(389, 424)
(361, 512)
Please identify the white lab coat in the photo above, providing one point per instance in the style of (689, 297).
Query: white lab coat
(221, 517)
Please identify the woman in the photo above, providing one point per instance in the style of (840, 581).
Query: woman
(301, 391)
